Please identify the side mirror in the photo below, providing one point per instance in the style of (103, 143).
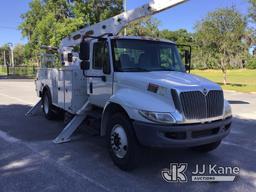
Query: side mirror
(84, 54)
(84, 65)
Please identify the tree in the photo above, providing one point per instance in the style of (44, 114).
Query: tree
(31, 18)
(181, 36)
(144, 27)
(219, 37)
(5, 51)
(94, 11)
(19, 54)
(252, 10)
(252, 16)
(49, 21)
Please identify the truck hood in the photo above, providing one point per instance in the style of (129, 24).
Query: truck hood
(173, 80)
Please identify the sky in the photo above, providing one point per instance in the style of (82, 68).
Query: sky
(183, 16)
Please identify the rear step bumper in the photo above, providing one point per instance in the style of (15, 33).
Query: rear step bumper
(174, 136)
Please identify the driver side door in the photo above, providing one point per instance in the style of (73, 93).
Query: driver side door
(101, 80)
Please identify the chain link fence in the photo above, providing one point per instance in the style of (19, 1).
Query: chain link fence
(18, 72)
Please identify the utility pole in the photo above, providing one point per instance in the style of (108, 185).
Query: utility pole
(4, 59)
(12, 57)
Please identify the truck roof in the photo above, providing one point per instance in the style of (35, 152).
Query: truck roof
(142, 38)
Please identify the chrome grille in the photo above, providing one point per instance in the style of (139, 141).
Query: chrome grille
(196, 105)
(215, 103)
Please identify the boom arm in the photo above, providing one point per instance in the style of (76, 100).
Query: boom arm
(115, 24)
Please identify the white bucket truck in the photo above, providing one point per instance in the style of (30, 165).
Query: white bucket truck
(137, 88)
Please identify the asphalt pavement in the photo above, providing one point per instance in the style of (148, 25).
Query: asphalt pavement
(30, 161)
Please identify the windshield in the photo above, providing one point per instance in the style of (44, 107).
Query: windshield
(143, 55)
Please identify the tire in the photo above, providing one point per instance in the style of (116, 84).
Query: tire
(48, 108)
(120, 134)
(207, 148)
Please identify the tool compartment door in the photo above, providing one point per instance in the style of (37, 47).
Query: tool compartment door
(68, 74)
(79, 86)
(61, 88)
(54, 78)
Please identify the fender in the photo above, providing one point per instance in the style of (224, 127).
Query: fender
(130, 101)
(136, 99)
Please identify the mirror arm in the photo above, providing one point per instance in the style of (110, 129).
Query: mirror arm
(190, 53)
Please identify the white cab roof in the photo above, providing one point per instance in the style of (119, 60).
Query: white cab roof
(142, 38)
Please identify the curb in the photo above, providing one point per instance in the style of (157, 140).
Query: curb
(15, 77)
(232, 91)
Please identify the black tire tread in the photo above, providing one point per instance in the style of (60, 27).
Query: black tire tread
(51, 114)
(131, 160)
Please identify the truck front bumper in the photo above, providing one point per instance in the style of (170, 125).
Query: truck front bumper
(185, 135)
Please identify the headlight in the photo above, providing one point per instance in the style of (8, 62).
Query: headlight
(227, 110)
(165, 118)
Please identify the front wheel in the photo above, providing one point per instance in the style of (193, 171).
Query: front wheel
(122, 143)
(207, 148)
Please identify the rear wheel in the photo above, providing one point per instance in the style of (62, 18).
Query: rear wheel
(207, 148)
(122, 144)
(48, 108)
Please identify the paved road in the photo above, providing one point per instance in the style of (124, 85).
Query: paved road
(29, 161)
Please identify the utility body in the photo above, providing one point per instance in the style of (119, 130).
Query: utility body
(137, 89)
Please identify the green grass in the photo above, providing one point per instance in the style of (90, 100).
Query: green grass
(19, 71)
(2, 70)
(243, 80)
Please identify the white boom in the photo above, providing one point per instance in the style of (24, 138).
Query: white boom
(115, 24)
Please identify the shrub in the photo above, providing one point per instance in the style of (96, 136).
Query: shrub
(251, 64)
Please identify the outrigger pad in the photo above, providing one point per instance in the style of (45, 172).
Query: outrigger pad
(34, 109)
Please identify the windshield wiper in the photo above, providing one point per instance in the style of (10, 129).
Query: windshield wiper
(134, 69)
(163, 69)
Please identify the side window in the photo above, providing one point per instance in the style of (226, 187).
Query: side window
(100, 55)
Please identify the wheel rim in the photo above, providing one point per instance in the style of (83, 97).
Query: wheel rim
(119, 142)
(46, 104)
